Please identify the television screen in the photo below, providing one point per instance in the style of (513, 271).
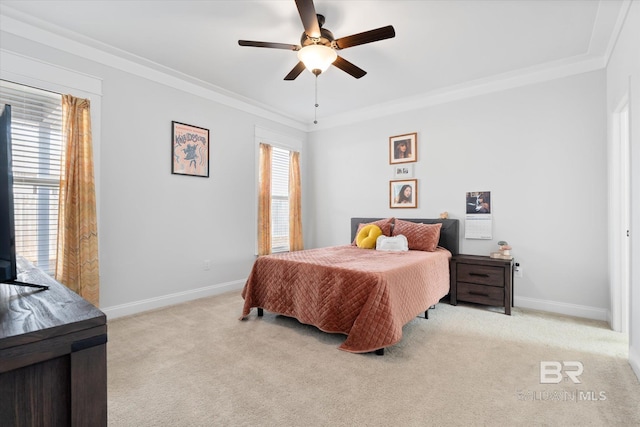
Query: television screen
(7, 232)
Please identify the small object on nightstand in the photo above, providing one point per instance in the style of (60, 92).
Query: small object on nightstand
(504, 252)
(482, 280)
(500, 255)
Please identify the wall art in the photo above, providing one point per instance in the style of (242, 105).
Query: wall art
(403, 148)
(403, 193)
(189, 150)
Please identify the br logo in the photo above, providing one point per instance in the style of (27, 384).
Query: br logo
(552, 372)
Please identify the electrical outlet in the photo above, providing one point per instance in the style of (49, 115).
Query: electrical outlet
(206, 264)
(517, 270)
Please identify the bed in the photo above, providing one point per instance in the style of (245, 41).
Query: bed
(366, 294)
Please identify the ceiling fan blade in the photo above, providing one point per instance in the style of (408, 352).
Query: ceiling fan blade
(299, 68)
(366, 37)
(307, 12)
(349, 68)
(269, 45)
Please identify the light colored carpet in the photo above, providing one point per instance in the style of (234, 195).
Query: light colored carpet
(196, 364)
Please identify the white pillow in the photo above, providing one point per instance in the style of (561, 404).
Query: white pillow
(395, 243)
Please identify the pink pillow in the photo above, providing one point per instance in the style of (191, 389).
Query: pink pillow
(421, 237)
(384, 224)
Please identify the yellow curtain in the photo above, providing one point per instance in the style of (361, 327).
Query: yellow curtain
(295, 203)
(264, 201)
(77, 264)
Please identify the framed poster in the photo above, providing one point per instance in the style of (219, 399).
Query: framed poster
(189, 150)
(479, 220)
(403, 148)
(403, 193)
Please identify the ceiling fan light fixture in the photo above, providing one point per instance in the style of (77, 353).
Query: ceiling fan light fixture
(317, 57)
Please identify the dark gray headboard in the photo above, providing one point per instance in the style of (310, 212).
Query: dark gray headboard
(449, 233)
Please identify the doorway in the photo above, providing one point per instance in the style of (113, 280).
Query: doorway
(620, 210)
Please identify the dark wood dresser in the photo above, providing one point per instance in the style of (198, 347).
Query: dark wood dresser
(482, 280)
(53, 360)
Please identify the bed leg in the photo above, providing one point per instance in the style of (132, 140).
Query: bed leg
(426, 312)
(260, 311)
(380, 352)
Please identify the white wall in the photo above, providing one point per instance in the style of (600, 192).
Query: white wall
(623, 79)
(539, 149)
(156, 229)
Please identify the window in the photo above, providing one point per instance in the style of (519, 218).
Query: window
(36, 133)
(279, 200)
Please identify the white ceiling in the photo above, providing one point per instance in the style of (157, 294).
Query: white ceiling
(441, 46)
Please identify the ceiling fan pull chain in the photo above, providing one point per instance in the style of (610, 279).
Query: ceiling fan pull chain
(315, 111)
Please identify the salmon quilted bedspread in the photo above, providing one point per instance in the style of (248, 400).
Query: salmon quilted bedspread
(366, 294)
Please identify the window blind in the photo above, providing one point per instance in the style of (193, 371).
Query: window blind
(279, 200)
(36, 136)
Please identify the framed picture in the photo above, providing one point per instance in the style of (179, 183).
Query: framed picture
(189, 150)
(403, 148)
(403, 193)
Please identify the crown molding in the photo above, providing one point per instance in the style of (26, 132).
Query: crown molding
(620, 19)
(603, 40)
(107, 55)
(500, 82)
(597, 57)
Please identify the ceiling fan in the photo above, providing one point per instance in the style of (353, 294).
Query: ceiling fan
(318, 45)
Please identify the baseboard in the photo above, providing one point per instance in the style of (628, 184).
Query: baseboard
(634, 360)
(562, 308)
(179, 297)
(171, 299)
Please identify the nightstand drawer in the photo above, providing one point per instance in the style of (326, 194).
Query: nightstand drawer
(482, 274)
(488, 295)
(482, 280)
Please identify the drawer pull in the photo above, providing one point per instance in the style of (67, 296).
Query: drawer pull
(482, 294)
(479, 274)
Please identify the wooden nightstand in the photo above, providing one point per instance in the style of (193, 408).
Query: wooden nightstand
(482, 280)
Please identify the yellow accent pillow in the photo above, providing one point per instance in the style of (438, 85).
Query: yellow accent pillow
(366, 238)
